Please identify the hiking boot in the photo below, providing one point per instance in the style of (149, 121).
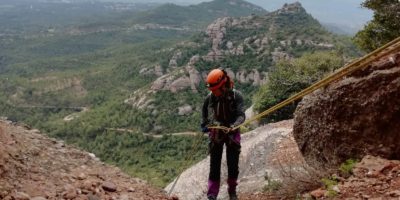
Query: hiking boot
(212, 198)
(233, 196)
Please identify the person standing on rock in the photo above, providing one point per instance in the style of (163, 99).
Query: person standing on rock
(223, 106)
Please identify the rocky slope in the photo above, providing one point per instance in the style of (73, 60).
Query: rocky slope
(353, 117)
(372, 178)
(33, 166)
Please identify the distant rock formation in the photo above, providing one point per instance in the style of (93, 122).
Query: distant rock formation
(185, 110)
(352, 117)
(156, 70)
(191, 78)
(141, 99)
(291, 8)
(216, 32)
(173, 62)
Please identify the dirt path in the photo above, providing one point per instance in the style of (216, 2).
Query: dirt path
(124, 130)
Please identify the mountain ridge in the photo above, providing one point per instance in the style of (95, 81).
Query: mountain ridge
(172, 14)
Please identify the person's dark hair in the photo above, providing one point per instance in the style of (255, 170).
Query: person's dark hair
(229, 81)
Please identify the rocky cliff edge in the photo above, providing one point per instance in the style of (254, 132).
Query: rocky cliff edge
(35, 167)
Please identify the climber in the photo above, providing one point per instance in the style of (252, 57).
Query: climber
(225, 106)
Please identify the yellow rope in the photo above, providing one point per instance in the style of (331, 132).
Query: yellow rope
(344, 71)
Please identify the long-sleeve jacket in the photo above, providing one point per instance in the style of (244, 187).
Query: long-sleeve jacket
(225, 110)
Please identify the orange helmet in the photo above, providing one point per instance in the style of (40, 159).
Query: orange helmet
(216, 79)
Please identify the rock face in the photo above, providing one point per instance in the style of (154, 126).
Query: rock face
(33, 166)
(216, 31)
(141, 99)
(182, 79)
(291, 8)
(173, 63)
(353, 117)
(156, 70)
(185, 110)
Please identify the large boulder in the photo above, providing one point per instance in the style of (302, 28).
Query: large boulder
(352, 117)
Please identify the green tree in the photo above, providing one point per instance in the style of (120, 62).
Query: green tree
(290, 77)
(384, 27)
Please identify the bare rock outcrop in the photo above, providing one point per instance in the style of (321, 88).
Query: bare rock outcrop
(162, 82)
(140, 99)
(180, 79)
(353, 117)
(156, 70)
(216, 32)
(185, 110)
(260, 151)
(33, 166)
(278, 54)
(194, 75)
(254, 76)
(291, 8)
(179, 84)
(176, 83)
(173, 62)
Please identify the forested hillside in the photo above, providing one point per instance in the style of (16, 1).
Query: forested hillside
(110, 87)
(197, 16)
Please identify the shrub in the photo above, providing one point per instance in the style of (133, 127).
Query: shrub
(329, 184)
(346, 168)
(290, 77)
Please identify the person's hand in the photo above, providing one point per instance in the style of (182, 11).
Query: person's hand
(230, 129)
(216, 123)
(204, 128)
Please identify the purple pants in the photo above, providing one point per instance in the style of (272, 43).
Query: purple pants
(216, 146)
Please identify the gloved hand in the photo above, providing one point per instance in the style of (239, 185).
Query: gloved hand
(230, 128)
(204, 128)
